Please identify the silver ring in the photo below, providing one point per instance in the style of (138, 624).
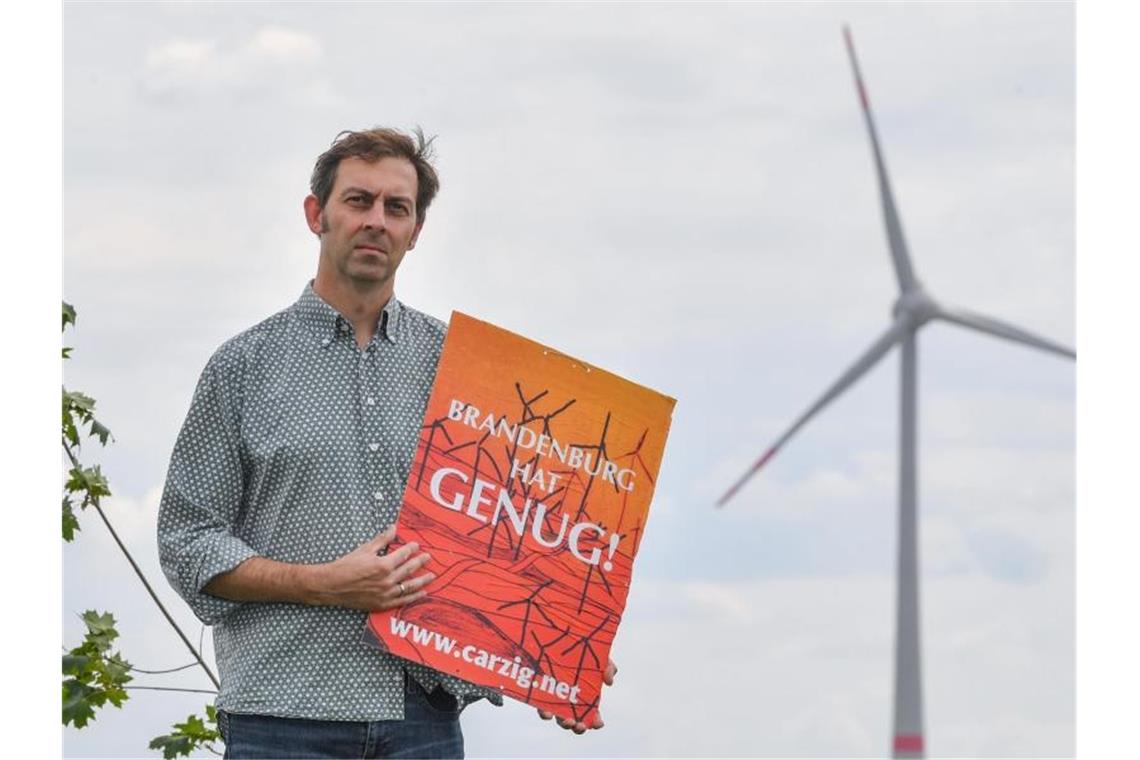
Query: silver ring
(402, 592)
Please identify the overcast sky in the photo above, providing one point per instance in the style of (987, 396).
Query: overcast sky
(683, 195)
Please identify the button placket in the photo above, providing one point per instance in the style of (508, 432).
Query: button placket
(370, 430)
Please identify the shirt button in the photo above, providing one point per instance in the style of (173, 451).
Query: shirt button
(378, 496)
(370, 401)
(373, 446)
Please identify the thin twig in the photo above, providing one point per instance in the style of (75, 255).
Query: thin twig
(170, 688)
(168, 670)
(142, 577)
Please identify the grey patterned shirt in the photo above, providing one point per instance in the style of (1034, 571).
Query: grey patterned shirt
(296, 448)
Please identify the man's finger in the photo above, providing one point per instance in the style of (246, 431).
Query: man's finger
(380, 543)
(610, 672)
(402, 572)
(398, 601)
(411, 585)
(400, 556)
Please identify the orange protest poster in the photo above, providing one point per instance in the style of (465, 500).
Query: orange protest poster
(530, 489)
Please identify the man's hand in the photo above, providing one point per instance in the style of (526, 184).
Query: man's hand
(364, 579)
(579, 727)
(361, 579)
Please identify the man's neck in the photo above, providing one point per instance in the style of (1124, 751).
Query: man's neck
(360, 305)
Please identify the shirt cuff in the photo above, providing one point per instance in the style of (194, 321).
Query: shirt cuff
(221, 554)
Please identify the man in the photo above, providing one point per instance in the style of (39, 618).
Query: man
(285, 485)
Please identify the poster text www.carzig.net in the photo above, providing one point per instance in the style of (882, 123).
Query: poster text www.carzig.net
(513, 669)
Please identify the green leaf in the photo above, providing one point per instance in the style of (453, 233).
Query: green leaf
(117, 669)
(77, 704)
(188, 736)
(100, 630)
(68, 315)
(76, 481)
(116, 695)
(98, 622)
(172, 745)
(79, 401)
(70, 523)
(67, 352)
(70, 432)
(97, 485)
(96, 677)
(100, 431)
(192, 727)
(75, 664)
(89, 479)
(80, 405)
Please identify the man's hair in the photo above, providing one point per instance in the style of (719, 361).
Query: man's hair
(373, 145)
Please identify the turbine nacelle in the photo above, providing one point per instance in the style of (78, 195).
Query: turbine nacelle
(915, 307)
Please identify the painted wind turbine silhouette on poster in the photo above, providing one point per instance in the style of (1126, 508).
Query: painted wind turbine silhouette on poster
(912, 310)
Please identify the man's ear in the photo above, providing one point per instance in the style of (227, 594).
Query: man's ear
(313, 214)
(416, 234)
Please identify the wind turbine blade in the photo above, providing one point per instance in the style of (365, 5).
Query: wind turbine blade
(853, 373)
(1002, 330)
(899, 253)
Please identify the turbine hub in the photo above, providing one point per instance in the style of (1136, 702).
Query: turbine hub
(916, 307)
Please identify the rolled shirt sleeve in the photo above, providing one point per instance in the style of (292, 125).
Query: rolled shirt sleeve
(202, 499)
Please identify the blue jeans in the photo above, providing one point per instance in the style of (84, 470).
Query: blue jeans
(430, 729)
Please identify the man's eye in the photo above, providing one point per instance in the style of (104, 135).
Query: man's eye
(398, 208)
(357, 199)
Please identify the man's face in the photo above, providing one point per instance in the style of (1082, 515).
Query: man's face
(369, 221)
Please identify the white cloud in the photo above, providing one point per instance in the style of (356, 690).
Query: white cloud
(181, 55)
(282, 44)
(268, 61)
(967, 417)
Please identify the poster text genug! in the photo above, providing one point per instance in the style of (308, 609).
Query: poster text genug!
(498, 500)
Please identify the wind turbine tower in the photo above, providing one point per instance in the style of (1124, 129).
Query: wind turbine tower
(913, 309)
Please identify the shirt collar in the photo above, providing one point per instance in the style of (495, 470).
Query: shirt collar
(327, 322)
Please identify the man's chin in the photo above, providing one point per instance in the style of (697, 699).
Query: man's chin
(366, 275)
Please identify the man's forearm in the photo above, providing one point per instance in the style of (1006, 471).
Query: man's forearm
(265, 580)
(364, 579)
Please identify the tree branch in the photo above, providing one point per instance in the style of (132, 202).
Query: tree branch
(145, 582)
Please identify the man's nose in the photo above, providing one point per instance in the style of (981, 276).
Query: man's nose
(375, 218)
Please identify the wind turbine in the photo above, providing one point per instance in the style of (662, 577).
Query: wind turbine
(912, 310)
